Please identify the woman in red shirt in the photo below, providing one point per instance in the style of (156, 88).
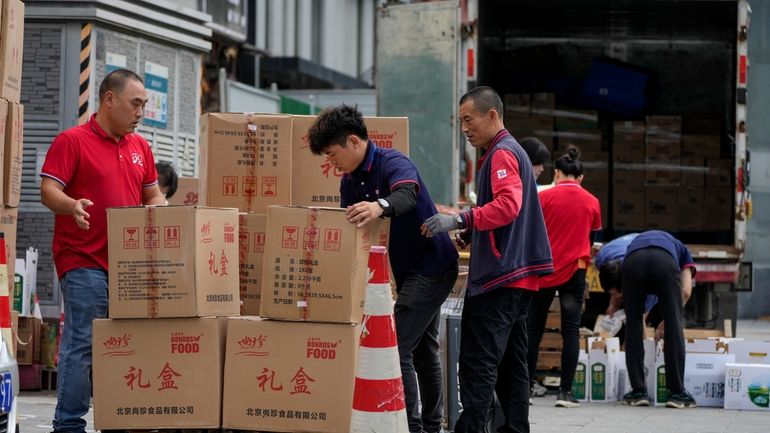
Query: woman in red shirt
(570, 213)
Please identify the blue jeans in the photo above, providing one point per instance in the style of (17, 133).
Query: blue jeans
(418, 312)
(85, 299)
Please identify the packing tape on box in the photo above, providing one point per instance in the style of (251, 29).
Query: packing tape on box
(151, 245)
(312, 238)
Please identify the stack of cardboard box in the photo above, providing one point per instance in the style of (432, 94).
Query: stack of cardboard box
(173, 277)
(293, 368)
(628, 174)
(532, 115)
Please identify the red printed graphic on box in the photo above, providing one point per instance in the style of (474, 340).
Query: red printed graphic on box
(329, 169)
(218, 266)
(382, 139)
(310, 240)
(131, 238)
(229, 233)
(269, 380)
(252, 346)
(151, 237)
(290, 238)
(230, 185)
(268, 376)
(269, 186)
(117, 346)
(181, 343)
(332, 239)
(243, 242)
(249, 186)
(171, 237)
(134, 376)
(316, 348)
(191, 199)
(167, 378)
(206, 234)
(300, 381)
(259, 242)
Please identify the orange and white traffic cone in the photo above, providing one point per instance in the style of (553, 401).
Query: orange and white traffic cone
(378, 399)
(5, 298)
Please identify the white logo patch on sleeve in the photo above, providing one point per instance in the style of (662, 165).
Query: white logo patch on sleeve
(502, 174)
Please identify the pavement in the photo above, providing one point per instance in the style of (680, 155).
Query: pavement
(36, 411)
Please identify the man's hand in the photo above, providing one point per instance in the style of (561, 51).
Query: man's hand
(80, 214)
(611, 310)
(439, 224)
(660, 331)
(463, 238)
(362, 212)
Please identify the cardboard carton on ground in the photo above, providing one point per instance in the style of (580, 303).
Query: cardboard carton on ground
(289, 376)
(28, 349)
(580, 384)
(251, 244)
(702, 345)
(315, 264)
(13, 153)
(158, 373)
(604, 361)
(186, 192)
(747, 387)
(315, 180)
(245, 160)
(173, 261)
(11, 49)
(750, 352)
(704, 377)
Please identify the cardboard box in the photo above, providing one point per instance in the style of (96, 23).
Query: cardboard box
(315, 266)
(570, 119)
(661, 392)
(664, 126)
(629, 174)
(628, 206)
(701, 146)
(690, 205)
(543, 104)
(175, 261)
(289, 376)
(704, 377)
(5, 136)
(580, 388)
(629, 127)
(628, 147)
(693, 172)
(245, 160)
(12, 154)
(604, 361)
(624, 383)
(251, 244)
(9, 218)
(750, 352)
(719, 172)
(158, 373)
(718, 205)
(28, 349)
(587, 141)
(186, 192)
(517, 105)
(11, 49)
(661, 210)
(701, 345)
(315, 181)
(666, 148)
(662, 171)
(747, 387)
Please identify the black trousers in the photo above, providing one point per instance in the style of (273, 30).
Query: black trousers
(653, 271)
(493, 339)
(571, 301)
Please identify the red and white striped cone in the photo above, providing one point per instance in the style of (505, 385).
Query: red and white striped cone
(5, 300)
(378, 399)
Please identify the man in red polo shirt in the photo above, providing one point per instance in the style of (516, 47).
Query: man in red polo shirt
(88, 169)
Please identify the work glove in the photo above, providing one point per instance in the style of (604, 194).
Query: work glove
(440, 224)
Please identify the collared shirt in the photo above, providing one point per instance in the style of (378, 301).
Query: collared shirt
(90, 164)
(570, 214)
(382, 171)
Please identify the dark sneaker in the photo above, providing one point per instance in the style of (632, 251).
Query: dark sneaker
(636, 398)
(681, 400)
(537, 390)
(566, 399)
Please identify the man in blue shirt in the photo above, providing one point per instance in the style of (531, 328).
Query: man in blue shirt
(377, 183)
(652, 263)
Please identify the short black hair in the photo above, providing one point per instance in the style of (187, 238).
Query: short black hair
(610, 276)
(569, 163)
(484, 99)
(333, 126)
(536, 150)
(167, 177)
(116, 81)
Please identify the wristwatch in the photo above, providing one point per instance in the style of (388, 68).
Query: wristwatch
(385, 205)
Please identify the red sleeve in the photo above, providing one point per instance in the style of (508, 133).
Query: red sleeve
(61, 161)
(150, 171)
(506, 193)
(596, 224)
